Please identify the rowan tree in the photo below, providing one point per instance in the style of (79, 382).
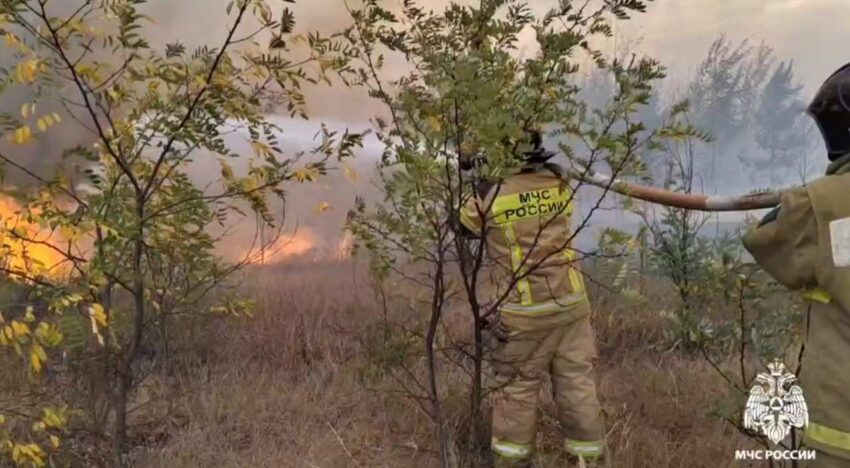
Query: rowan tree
(135, 246)
(468, 95)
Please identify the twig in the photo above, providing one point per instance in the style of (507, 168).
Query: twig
(336, 434)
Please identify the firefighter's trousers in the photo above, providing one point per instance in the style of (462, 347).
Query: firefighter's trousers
(531, 349)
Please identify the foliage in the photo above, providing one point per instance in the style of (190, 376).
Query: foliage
(727, 308)
(467, 98)
(131, 246)
(724, 94)
(784, 132)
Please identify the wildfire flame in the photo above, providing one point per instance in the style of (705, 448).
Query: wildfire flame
(26, 249)
(301, 245)
(29, 251)
(285, 247)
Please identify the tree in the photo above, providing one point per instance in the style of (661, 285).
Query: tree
(724, 94)
(784, 132)
(466, 94)
(134, 247)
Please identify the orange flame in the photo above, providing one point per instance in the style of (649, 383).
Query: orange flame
(26, 250)
(301, 246)
(285, 247)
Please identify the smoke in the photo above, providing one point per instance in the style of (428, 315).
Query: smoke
(677, 32)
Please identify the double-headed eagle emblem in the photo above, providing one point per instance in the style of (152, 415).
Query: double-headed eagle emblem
(776, 403)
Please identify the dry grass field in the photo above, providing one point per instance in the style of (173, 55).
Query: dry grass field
(295, 387)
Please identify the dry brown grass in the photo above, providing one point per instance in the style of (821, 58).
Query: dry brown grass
(292, 387)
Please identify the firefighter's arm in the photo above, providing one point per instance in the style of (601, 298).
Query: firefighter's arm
(784, 243)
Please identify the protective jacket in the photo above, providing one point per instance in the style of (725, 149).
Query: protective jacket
(805, 245)
(525, 221)
(545, 323)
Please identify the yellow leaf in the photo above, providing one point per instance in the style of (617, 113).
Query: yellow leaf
(88, 72)
(54, 419)
(48, 334)
(226, 169)
(261, 149)
(2, 419)
(36, 455)
(29, 317)
(323, 207)
(35, 362)
(69, 233)
(39, 351)
(307, 174)
(21, 136)
(349, 172)
(56, 117)
(38, 426)
(27, 72)
(11, 39)
(20, 329)
(54, 441)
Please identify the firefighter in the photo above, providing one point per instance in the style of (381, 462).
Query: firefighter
(544, 325)
(805, 245)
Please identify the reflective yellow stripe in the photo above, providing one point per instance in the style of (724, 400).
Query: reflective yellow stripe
(586, 449)
(522, 285)
(576, 280)
(553, 201)
(827, 436)
(469, 220)
(817, 294)
(554, 305)
(511, 450)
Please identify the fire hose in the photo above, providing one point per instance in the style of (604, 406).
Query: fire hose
(754, 201)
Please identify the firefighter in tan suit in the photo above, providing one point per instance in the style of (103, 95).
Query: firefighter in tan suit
(545, 319)
(805, 245)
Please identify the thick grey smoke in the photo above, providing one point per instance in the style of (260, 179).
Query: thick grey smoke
(678, 32)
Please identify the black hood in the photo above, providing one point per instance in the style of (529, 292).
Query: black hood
(831, 110)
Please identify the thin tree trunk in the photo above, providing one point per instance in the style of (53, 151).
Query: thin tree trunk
(125, 364)
(100, 384)
(477, 419)
(443, 434)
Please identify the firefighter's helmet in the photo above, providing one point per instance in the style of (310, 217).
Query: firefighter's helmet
(532, 149)
(831, 110)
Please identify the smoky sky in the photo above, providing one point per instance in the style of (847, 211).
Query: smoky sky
(677, 32)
